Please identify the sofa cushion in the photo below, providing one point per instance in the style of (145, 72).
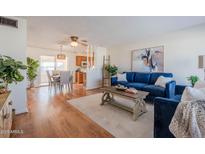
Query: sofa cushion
(121, 77)
(130, 76)
(162, 81)
(155, 90)
(138, 86)
(141, 77)
(192, 94)
(154, 76)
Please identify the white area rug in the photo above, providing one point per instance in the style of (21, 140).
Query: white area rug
(115, 120)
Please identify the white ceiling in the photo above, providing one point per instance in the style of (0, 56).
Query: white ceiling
(103, 31)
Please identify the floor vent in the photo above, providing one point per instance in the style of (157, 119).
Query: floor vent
(8, 22)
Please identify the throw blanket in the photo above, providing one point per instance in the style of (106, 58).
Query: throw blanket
(189, 119)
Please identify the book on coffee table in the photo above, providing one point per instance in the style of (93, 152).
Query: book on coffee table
(131, 90)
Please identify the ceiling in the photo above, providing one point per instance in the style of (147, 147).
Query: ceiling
(103, 31)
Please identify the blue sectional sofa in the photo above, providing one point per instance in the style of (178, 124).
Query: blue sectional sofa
(164, 109)
(145, 82)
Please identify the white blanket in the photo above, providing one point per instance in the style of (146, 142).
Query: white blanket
(189, 120)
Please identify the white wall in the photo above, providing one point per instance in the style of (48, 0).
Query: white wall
(181, 50)
(13, 43)
(94, 76)
(36, 52)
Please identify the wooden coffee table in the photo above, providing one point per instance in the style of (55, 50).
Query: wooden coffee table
(139, 104)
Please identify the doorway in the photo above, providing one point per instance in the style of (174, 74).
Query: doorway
(51, 63)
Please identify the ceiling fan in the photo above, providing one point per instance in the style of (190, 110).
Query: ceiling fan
(74, 41)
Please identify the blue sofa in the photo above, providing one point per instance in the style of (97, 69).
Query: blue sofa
(164, 109)
(145, 82)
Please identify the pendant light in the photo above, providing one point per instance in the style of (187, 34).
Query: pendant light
(61, 55)
(74, 41)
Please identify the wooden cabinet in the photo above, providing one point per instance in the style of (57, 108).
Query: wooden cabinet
(80, 77)
(6, 116)
(83, 58)
(79, 60)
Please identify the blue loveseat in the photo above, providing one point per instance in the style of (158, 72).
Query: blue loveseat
(164, 109)
(145, 82)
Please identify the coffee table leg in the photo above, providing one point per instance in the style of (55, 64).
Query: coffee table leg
(106, 97)
(139, 108)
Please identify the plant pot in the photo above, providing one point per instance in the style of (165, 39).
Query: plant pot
(31, 84)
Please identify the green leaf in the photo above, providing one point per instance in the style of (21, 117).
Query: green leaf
(32, 68)
(9, 69)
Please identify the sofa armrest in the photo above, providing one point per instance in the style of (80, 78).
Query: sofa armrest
(164, 110)
(170, 89)
(113, 80)
(179, 89)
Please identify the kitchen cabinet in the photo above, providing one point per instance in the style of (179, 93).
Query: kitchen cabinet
(79, 60)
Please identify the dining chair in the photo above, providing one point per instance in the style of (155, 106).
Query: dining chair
(52, 81)
(66, 80)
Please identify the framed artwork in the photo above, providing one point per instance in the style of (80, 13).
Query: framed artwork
(148, 59)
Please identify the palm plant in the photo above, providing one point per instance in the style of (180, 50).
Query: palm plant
(10, 70)
(32, 65)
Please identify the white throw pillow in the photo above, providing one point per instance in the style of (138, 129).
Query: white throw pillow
(121, 77)
(199, 84)
(191, 94)
(161, 81)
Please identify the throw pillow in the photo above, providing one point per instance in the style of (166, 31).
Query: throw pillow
(199, 84)
(192, 94)
(121, 77)
(161, 81)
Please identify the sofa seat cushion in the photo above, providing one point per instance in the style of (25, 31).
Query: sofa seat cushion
(124, 83)
(155, 90)
(138, 86)
(142, 77)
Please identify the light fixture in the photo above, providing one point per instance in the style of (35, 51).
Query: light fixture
(74, 44)
(61, 55)
(202, 63)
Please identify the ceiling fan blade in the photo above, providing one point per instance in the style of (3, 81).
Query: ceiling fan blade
(64, 42)
(82, 43)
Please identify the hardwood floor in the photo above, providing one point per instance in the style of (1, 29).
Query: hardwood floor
(50, 116)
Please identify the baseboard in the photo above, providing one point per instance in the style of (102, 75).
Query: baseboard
(93, 88)
(21, 111)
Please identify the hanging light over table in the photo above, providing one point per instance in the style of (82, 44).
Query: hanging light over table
(74, 41)
(61, 55)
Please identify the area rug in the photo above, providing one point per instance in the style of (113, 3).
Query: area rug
(115, 120)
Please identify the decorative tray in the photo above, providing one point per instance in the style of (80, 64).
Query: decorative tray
(122, 88)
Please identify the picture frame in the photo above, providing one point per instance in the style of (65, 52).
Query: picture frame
(148, 59)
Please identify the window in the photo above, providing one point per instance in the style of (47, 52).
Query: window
(50, 63)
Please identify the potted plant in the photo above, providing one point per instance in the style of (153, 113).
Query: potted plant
(10, 70)
(112, 69)
(193, 79)
(32, 70)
